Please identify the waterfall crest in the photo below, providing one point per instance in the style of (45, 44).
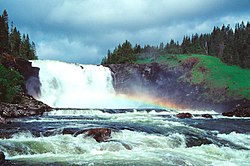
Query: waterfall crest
(71, 85)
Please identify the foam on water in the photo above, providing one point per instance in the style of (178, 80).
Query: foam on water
(146, 149)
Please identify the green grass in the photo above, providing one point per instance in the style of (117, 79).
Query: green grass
(211, 72)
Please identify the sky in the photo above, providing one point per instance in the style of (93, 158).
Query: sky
(82, 31)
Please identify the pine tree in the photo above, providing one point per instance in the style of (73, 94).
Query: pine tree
(4, 33)
(15, 41)
(186, 44)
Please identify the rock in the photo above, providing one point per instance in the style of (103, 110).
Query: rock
(99, 134)
(197, 141)
(2, 156)
(2, 120)
(207, 116)
(24, 106)
(184, 115)
(240, 111)
(171, 85)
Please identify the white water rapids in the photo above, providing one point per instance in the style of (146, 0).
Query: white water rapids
(71, 85)
(154, 140)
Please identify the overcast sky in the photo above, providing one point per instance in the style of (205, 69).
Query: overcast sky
(83, 30)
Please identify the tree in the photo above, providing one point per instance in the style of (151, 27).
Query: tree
(10, 84)
(27, 50)
(186, 44)
(15, 42)
(4, 32)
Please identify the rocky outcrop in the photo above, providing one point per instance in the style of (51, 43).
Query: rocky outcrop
(26, 106)
(170, 85)
(155, 80)
(240, 111)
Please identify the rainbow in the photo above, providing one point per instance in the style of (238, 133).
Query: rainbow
(154, 101)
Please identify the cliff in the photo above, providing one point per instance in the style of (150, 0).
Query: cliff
(24, 104)
(167, 83)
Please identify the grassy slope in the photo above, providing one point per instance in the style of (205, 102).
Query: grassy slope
(211, 72)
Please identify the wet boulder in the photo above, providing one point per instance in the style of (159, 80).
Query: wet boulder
(2, 157)
(184, 115)
(99, 134)
(197, 141)
(207, 116)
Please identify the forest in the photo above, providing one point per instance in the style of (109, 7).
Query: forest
(14, 44)
(231, 46)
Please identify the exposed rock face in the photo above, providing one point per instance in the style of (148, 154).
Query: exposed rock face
(154, 80)
(238, 112)
(163, 82)
(184, 115)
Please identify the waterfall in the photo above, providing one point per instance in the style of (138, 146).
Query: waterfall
(73, 85)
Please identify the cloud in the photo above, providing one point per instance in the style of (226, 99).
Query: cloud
(69, 51)
(83, 30)
(126, 14)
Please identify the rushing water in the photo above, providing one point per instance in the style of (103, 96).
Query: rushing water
(139, 136)
(79, 86)
(154, 137)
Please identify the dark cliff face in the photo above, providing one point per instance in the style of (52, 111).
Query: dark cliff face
(160, 81)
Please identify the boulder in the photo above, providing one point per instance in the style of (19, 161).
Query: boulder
(206, 116)
(2, 156)
(99, 134)
(197, 141)
(184, 115)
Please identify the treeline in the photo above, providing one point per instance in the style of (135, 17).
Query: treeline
(13, 42)
(231, 46)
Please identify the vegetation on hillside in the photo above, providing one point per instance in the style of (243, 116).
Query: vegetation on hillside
(209, 71)
(230, 46)
(12, 43)
(10, 84)
(214, 60)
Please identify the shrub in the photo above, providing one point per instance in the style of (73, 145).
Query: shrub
(10, 83)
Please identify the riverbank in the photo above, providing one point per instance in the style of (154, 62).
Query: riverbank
(25, 106)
